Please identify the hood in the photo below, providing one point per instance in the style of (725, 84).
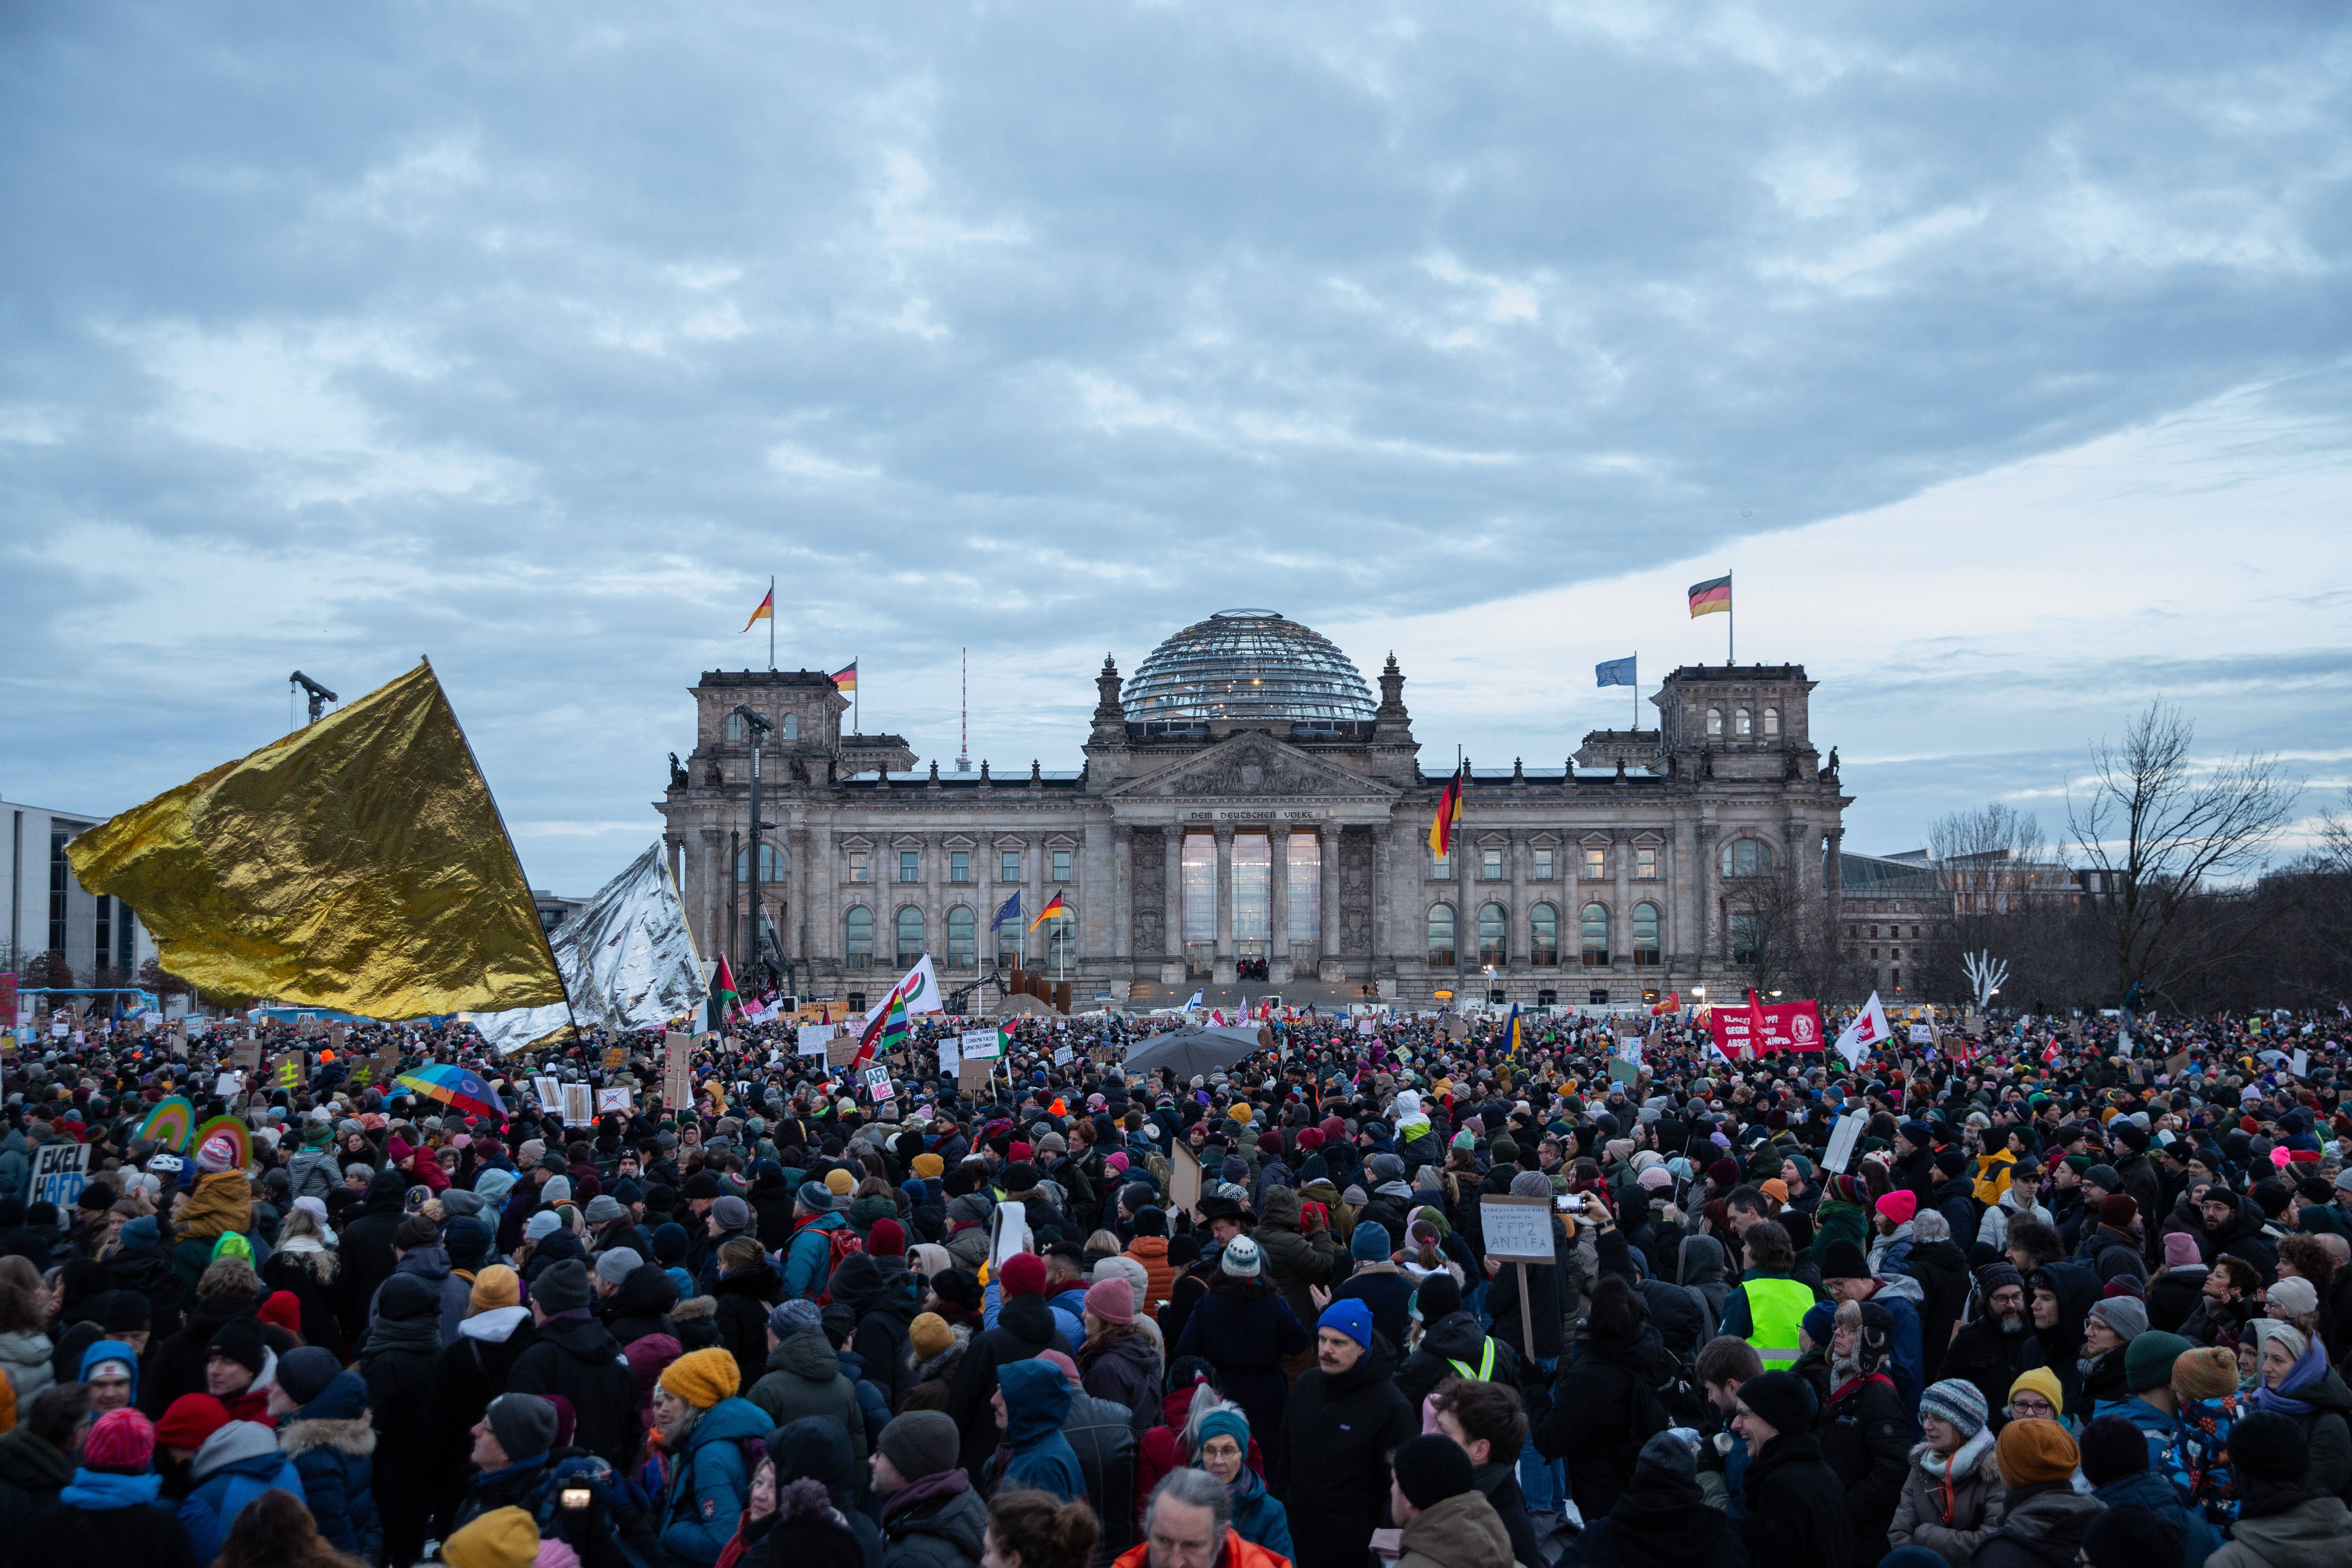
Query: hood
(1280, 1209)
(2077, 1290)
(1036, 1398)
(857, 1283)
(431, 1262)
(2051, 1517)
(1664, 1519)
(1456, 1337)
(239, 1444)
(1702, 1261)
(806, 1355)
(496, 1326)
(648, 1292)
(115, 1349)
(813, 1449)
(1462, 1529)
(2141, 1489)
(1904, 1288)
(387, 1192)
(584, 1338)
(344, 1397)
(731, 1420)
(2308, 1533)
(1029, 1320)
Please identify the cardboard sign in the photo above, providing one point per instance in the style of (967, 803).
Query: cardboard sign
(1064, 1055)
(678, 1071)
(840, 1051)
(972, 1076)
(612, 1099)
(2300, 1063)
(1184, 1180)
(579, 1105)
(290, 1070)
(247, 1056)
(61, 1171)
(878, 1085)
(616, 1057)
(1517, 1230)
(981, 1045)
(812, 1039)
(228, 1085)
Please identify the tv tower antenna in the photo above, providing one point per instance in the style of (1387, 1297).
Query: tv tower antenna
(963, 714)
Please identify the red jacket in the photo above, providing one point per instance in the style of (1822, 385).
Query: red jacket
(1238, 1554)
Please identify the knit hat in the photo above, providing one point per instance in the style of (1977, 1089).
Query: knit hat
(1901, 1206)
(304, 1374)
(1436, 1298)
(1818, 1321)
(1957, 1402)
(281, 1307)
(1430, 1469)
(502, 1538)
(1919, 1135)
(2117, 1209)
(192, 1418)
(731, 1213)
(2264, 1446)
(2032, 1453)
(815, 1196)
(2126, 1315)
(557, 1191)
(618, 1264)
(839, 1182)
(930, 1334)
(122, 1441)
(2112, 1448)
(2208, 1372)
(1369, 1242)
(929, 1167)
(562, 1288)
(217, 1154)
(541, 1225)
(2147, 1360)
(795, 1317)
(2295, 1296)
(2180, 1250)
(1024, 1274)
(1668, 1451)
(1842, 1259)
(920, 1443)
(702, 1378)
(524, 1424)
(887, 1239)
(1242, 1258)
(1780, 1400)
(1112, 1300)
(497, 1285)
(603, 1209)
(2041, 1381)
(1653, 1179)
(1350, 1317)
(239, 1339)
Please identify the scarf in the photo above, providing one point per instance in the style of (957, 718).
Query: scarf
(944, 1484)
(2309, 1369)
(403, 1334)
(98, 1489)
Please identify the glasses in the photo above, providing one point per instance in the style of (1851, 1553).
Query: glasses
(2029, 1408)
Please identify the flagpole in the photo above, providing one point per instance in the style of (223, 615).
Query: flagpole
(1461, 888)
(1730, 625)
(1637, 688)
(772, 625)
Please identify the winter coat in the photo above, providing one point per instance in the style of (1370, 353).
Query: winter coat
(2327, 1429)
(1661, 1521)
(1603, 1408)
(150, 1271)
(106, 1521)
(800, 1378)
(1127, 1371)
(1992, 1226)
(314, 1173)
(315, 1277)
(579, 1359)
(883, 1301)
(641, 1306)
(1796, 1511)
(1245, 1330)
(1942, 1271)
(2173, 1295)
(332, 1447)
(930, 1378)
(237, 1463)
(2151, 1493)
(1295, 1261)
(1234, 1553)
(2042, 1528)
(468, 1375)
(1461, 1532)
(24, 1357)
(1866, 1439)
(1036, 1399)
(808, 1259)
(2311, 1534)
(1983, 1355)
(1447, 1346)
(1101, 1435)
(711, 1482)
(1333, 1464)
(1258, 1516)
(1951, 1505)
(31, 1472)
(744, 1298)
(945, 1526)
(1152, 1251)
(177, 1366)
(1384, 1289)
(1023, 1328)
(365, 1244)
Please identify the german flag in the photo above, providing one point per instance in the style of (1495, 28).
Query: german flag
(1054, 910)
(1449, 817)
(846, 679)
(766, 612)
(1713, 595)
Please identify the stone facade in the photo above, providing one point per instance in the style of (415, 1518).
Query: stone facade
(1187, 851)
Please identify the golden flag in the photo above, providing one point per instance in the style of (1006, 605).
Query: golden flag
(359, 864)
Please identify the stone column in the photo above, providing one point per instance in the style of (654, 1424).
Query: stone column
(1621, 916)
(1122, 895)
(1699, 929)
(1277, 900)
(1327, 837)
(1224, 961)
(1520, 930)
(1171, 923)
(713, 934)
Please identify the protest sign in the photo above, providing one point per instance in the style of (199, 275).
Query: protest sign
(972, 1076)
(1063, 1055)
(840, 1051)
(1786, 1026)
(951, 1053)
(579, 1105)
(612, 1099)
(1184, 1179)
(247, 1056)
(290, 1070)
(1840, 1153)
(983, 1044)
(2300, 1063)
(1923, 1034)
(548, 1089)
(678, 1071)
(878, 1085)
(813, 1038)
(1517, 1230)
(616, 1057)
(61, 1171)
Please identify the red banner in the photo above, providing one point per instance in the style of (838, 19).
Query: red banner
(1784, 1027)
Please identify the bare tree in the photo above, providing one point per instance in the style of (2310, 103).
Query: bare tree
(2157, 831)
(1779, 937)
(1989, 858)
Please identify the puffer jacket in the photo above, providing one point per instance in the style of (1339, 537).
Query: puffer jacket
(1127, 1371)
(2151, 1493)
(1296, 1262)
(710, 1483)
(804, 1379)
(315, 1174)
(237, 1463)
(333, 1445)
(1952, 1506)
(944, 1525)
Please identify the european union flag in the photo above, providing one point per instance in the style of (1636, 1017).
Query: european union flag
(1010, 911)
(1614, 672)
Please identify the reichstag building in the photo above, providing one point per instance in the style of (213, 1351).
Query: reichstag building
(1248, 811)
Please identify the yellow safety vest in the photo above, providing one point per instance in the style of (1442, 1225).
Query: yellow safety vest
(1776, 1309)
(1485, 1373)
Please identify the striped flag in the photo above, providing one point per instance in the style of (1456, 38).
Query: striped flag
(1449, 817)
(766, 612)
(846, 679)
(1712, 597)
(1054, 911)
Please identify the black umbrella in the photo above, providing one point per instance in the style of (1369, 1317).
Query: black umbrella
(1195, 1052)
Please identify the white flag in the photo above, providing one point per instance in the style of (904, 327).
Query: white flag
(922, 993)
(1868, 1031)
(1195, 1001)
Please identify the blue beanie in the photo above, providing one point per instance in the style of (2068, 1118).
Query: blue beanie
(1818, 1321)
(1370, 1242)
(1349, 1317)
(1226, 1421)
(141, 1232)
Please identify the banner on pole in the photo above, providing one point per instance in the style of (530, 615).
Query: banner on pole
(1785, 1026)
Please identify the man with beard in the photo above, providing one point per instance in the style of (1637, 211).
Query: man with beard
(1990, 1351)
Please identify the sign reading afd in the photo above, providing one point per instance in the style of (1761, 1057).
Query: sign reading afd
(61, 1171)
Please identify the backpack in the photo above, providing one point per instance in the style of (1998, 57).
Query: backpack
(839, 1244)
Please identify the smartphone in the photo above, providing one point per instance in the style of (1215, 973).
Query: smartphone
(577, 1498)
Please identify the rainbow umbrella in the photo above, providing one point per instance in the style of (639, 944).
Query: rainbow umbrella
(460, 1089)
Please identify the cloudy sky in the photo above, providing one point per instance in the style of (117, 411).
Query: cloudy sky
(2000, 352)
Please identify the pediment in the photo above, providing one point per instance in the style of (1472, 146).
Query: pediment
(1252, 767)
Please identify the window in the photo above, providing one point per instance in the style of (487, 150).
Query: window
(1061, 865)
(1543, 934)
(1645, 865)
(960, 866)
(1874, 955)
(1646, 936)
(1747, 939)
(1252, 864)
(1441, 936)
(1915, 932)
(788, 727)
(1490, 865)
(1306, 913)
(1062, 944)
(1853, 931)
(772, 864)
(1715, 721)
(910, 865)
(1011, 943)
(1746, 857)
(1543, 866)
(1200, 871)
(859, 870)
(857, 926)
(910, 936)
(1547, 998)
(1873, 931)
(1772, 721)
(964, 947)
(1897, 975)
(1595, 931)
(1743, 722)
(1895, 953)
(1492, 923)
(1008, 865)
(1596, 998)
(1596, 863)
(103, 932)
(734, 726)
(1441, 867)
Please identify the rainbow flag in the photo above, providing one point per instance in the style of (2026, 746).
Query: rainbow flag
(766, 612)
(1449, 817)
(1711, 596)
(846, 679)
(1054, 910)
(888, 1032)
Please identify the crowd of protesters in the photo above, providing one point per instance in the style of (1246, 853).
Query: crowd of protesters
(2067, 1298)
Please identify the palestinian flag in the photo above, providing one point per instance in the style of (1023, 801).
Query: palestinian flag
(723, 999)
(1712, 597)
(1449, 817)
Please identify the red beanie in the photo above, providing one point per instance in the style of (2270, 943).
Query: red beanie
(284, 1309)
(1024, 1274)
(122, 1441)
(886, 1239)
(192, 1418)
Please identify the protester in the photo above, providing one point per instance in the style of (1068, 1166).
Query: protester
(932, 1516)
(2043, 1516)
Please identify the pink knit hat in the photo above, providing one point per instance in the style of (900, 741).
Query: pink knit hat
(1112, 1300)
(2180, 1250)
(123, 1441)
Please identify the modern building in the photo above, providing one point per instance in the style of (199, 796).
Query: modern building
(1247, 809)
(51, 912)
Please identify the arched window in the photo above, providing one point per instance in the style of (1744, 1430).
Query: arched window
(963, 946)
(1492, 925)
(910, 935)
(1441, 936)
(734, 726)
(1772, 721)
(1062, 943)
(1746, 857)
(1645, 934)
(857, 927)
(1595, 931)
(1715, 721)
(1543, 934)
(772, 864)
(1743, 722)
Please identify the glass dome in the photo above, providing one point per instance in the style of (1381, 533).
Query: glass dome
(1247, 664)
